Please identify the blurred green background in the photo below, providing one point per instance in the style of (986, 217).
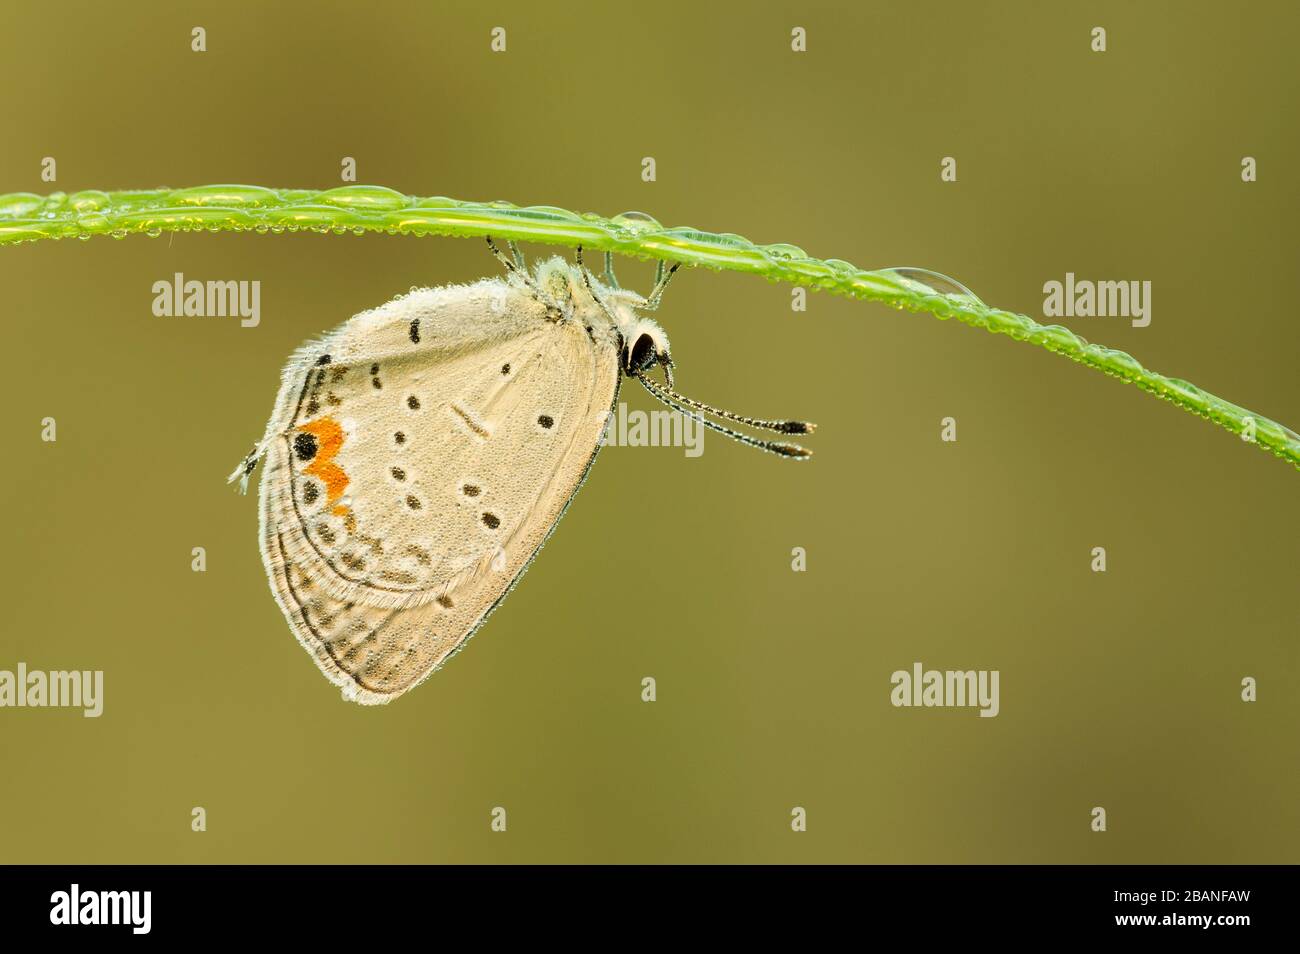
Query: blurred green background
(1118, 690)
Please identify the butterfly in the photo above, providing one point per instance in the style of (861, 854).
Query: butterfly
(420, 454)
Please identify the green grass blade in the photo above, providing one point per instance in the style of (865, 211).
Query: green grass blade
(27, 217)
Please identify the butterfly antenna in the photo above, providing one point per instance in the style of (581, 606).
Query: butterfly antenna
(662, 278)
(610, 280)
(781, 427)
(773, 447)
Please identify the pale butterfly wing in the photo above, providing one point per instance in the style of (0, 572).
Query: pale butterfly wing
(411, 478)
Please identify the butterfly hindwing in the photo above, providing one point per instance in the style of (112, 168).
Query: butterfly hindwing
(407, 484)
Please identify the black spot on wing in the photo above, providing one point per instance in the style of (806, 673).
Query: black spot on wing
(304, 445)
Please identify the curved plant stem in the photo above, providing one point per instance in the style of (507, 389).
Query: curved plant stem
(28, 217)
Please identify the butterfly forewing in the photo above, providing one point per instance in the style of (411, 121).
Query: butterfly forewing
(406, 487)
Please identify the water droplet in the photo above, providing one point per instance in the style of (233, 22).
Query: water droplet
(20, 204)
(363, 197)
(549, 212)
(1056, 338)
(1123, 362)
(934, 282)
(782, 250)
(636, 222)
(91, 200)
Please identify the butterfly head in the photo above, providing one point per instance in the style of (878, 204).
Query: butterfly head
(642, 342)
(645, 345)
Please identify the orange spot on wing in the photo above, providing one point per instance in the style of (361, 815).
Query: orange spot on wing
(329, 440)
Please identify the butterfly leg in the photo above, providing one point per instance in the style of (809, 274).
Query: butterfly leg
(610, 280)
(511, 267)
(515, 265)
(662, 278)
(517, 268)
(517, 255)
(586, 277)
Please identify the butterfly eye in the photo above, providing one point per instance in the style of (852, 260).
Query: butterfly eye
(641, 355)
